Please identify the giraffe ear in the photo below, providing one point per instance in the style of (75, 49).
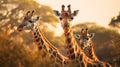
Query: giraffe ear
(56, 12)
(77, 36)
(75, 13)
(91, 35)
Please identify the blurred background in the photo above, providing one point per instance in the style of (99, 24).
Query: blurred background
(17, 49)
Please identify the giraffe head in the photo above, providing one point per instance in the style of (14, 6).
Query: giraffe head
(65, 16)
(28, 22)
(85, 38)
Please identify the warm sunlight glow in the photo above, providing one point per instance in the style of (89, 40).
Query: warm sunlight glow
(99, 11)
(58, 30)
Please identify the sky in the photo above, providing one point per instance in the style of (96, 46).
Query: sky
(98, 11)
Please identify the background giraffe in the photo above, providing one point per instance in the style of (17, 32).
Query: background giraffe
(85, 41)
(74, 52)
(41, 40)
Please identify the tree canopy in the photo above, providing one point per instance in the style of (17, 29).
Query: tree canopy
(115, 21)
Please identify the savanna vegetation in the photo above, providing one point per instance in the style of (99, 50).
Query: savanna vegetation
(17, 49)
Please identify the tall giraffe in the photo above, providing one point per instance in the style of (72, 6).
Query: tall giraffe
(71, 44)
(74, 52)
(40, 39)
(72, 48)
(85, 41)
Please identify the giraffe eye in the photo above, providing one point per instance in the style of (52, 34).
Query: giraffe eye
(60, 18)
(30, 21)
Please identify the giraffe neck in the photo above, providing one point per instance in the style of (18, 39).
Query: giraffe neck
(43, 43)
(38, 39)
(72, 47)
(90, 52)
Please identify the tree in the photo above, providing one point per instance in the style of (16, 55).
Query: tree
(115, 21)
(12, 12)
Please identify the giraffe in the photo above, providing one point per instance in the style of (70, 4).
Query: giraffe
(40, 39)
(85, 41)
(70, 47)
(74, 52)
